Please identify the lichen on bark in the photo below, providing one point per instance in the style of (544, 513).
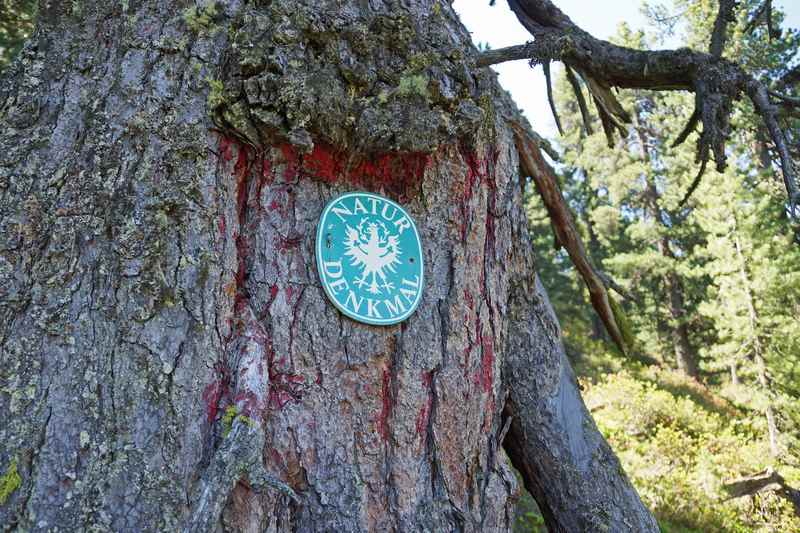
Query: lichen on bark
(9, 482)
(364, 80)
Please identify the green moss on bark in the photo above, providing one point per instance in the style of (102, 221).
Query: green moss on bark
(414, 85)
(10, 482)
(230, 416)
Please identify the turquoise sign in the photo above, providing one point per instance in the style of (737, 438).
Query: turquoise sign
(369, 258)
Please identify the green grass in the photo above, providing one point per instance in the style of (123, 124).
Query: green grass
(678, 441)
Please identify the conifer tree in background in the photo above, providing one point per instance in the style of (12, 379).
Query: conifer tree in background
(754, 300)
(16, 24)
(631, 208)
(635, 200)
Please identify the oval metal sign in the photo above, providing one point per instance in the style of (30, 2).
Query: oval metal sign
(369, 257)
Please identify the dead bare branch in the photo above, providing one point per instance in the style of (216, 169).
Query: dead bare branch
(602, 92)
(760, 98)
(608, 125)
(792, 100)
(691, 125)
(754, 20)
(549, 81)
(527, 51)
(715, 81)
(719, 35)
(771, 31)
(694, 184)
(576, 88)
(609, 282)
(534, 165)
(765, 481)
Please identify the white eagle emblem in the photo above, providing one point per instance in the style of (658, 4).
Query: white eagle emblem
(372, 248)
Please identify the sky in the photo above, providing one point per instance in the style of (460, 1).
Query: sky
(498, 27)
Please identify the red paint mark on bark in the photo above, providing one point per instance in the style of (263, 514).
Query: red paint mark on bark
(398, 174)
(284, 386)
(211, 396)
(291, 159)
(266, 170)
(278, 398)
(487, 365)
(476, 170)
(247, 404)
(266, 177)
(242, 250)
(242, 192)
(295, 379)
(276, 457)
(215, 394)
(240, 172)
(324, 163)
(273, 292)
(225, 148)
(425, 412)
(386, 404)
(284, 244)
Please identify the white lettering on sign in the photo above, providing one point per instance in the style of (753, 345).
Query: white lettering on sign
(401, 224)
(328, 264)
(359, 207)
(387, 210)
(395, 307)
(372, 310)
(340, 210)
(341, 282)
(410, 294)
(374, 203)
(351, 301)
(386, 207)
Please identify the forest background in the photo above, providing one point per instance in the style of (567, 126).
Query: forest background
(707, 406)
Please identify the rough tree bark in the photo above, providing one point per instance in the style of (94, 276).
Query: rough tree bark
(169, 359)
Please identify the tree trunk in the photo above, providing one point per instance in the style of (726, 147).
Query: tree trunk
(684, 353)
(170, 360)
(758, 349)
(734, 366)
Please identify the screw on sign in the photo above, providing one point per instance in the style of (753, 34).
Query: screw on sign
(369, 258)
